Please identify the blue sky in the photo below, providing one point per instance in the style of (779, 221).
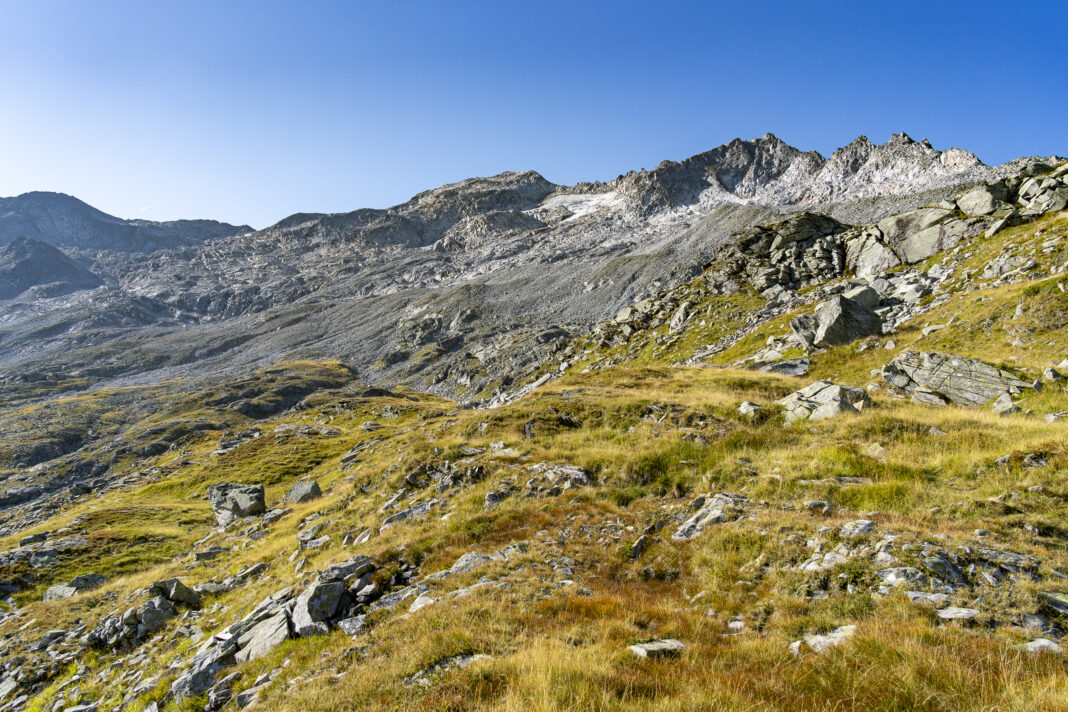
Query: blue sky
(250, 111)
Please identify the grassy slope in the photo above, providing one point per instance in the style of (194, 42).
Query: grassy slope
(653, 436)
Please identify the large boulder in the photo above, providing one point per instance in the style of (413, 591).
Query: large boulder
(823, 399)
(232, 501)
(176, 592)
(837, 321)
(917, 234)
(959, 380)
(985, 200)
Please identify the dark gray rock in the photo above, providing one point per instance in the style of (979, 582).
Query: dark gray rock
(176, 592)
(234, 501)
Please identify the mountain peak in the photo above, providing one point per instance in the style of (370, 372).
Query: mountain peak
(65, 221)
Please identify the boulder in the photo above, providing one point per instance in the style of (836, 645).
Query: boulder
(78, 584)
(917, 234)
(864, 295)
(836, 321)
(303, 492)
(823, 399)
(176, 592)
(749, 408)
(1041, 645)
(315, 606)
(963, 381)
(985, 200)
(232, 501)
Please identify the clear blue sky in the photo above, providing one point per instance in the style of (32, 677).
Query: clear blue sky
(250, 111)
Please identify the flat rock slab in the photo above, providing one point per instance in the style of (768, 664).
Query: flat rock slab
(654, 649)
(957, 614)
(963, 381)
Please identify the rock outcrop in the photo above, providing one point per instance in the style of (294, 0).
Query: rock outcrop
(939, 379)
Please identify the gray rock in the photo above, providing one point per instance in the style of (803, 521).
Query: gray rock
(317, 604)
(78, 584)
(953, 613)
(1055, 600)
(176, 592)
(834, 322)
(820, 643)
(263, 637)
(233, 501)
(352, 626)
(33, 539)
(963, 381)
(1043, 195)
(721, 508)
(786, 367)
(749, 408)
(904, 576)
(657, 649)
(347, 570)
(941, 566)
(917, 234)
(1041, 645)
(823, 399)
(303, 492)
(854, 529)
(868, 254)
(639, 546)
(415, 512)
(985, 200)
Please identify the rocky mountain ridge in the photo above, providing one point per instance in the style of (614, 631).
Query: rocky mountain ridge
(462, 288)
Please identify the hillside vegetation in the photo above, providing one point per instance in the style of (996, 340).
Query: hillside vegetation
(651, 483)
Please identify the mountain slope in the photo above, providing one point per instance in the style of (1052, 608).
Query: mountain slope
(64, 221)
(26, 263)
